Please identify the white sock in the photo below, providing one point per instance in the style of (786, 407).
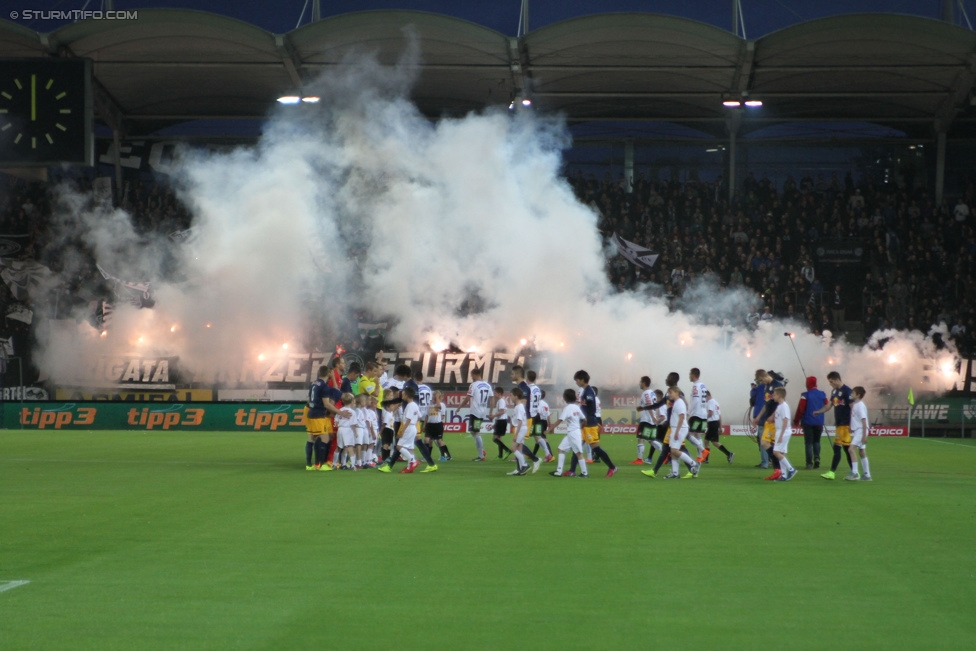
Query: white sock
(640, 449)
(407, 454)
(582, 465)
(588, 452)
(520, 458)
(480, 444)
(785, 465)
(697, 442)
(335, 457)
(561, 460)
(657, 445)
(864, 464)
(675, 467)
(687, 459)
(352, 459)
(545, 444)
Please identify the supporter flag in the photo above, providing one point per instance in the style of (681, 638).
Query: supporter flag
(20, 312)
(182, 236)
(637, 254)
(139, 294)
(6, 352)
(372, 330)
(103, 313)
(24, 277)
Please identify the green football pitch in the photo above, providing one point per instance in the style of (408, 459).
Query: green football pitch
(208, 540)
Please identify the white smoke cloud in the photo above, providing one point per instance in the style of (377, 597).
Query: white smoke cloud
(462, 231)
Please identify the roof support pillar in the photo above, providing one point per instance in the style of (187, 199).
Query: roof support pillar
(940, 156)
(117, 161)
(629, 165)
(948, 11)
(732, 122)
(289, 60)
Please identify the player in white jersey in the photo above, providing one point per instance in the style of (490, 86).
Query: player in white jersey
(362, 427)
(346, 426)
(434, 425)
(784, 431)
(645, 423)
(479, 400)
(392, 392)
(697, 413)
(407, 434)
(499, 416)
(545, 413)
(520, 429)
(387, 433)
(373, 431)
(539, 423)
(679, 432)
(714, 429)
(859, 435)
(572, 416)
(424, 397)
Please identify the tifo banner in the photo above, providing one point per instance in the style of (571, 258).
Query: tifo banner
(176, 395)
(132, 372)
(298, 370)
(16, 394)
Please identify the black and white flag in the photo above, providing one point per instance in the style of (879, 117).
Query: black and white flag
(637, 254)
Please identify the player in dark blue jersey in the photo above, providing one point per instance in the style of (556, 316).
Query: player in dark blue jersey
(320, 406)
(591, 428)
(403, 374)
(765, 422)
(840, 401)
(531, 410)
(663, 433)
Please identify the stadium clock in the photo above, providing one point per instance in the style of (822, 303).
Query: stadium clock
(45, 111)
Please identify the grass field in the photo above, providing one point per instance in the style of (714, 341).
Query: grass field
(179, 540)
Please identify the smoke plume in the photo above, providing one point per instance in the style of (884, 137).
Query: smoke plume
(459, 231)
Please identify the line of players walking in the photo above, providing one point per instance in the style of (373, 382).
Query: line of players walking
(363, 419)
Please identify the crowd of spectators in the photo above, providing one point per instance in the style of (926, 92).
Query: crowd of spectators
(28, 232)
(915, 267)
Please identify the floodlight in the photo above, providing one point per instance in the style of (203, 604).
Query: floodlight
(289, 99)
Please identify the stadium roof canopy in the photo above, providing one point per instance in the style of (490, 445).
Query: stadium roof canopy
(910, 73)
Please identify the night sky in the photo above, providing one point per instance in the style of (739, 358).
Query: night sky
(761, 16)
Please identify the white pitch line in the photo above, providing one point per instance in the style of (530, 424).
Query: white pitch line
(10, 585)
(960, 445)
